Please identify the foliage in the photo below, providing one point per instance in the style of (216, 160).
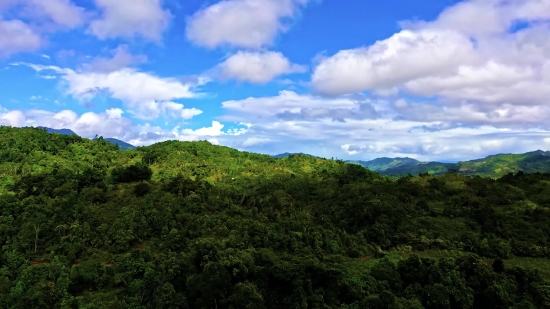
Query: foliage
(84, 224)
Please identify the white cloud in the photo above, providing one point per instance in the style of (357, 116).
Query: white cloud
(12, 118)
(177, 110)
(150, 134)
(472, 114)
(16, 36)
(86, 125)
(257, 67)
(467, 53)
(61, 12)
(403, 57)
(289, 105)
(424, 130)
(130, 18)
(110, 123)
(114, 113)
(241, 23)
(214, 130)
(41, 17)
(145, 95)
(121, 58)
(214, 141)
(487, 17)
(254, 141)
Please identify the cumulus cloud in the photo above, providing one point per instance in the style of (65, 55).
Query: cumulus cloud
(241, 23)
(177, 110)
(214, 134)
(61, 12)
(146, 95)
(110, 123)
(404, 56)
(469, 52)
(86, 125)
(475, 83)
(130, 18)
(34, 18)
(257, 67)
(16, 36)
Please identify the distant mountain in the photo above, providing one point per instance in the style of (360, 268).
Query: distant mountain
(381, 164)
(121, 144)
(288, 154)
(59, 131)
(491, 166)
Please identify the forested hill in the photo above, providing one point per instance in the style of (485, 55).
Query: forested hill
(121, 144)
(84, 224)
(491, 166)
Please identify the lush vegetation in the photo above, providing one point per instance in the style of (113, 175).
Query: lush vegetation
(491, 166)
(121, 144)
(84, 224)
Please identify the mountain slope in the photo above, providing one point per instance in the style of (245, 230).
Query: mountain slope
(84, 224)
(121, 144)
(490, 166)
(59, 131)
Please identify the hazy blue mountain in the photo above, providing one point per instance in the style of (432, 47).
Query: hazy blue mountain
(491, 166)
(121, 144)
(59, 131)
(382, 164)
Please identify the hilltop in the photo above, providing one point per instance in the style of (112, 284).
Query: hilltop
(84, 224)
(123, 145)
(491, 166)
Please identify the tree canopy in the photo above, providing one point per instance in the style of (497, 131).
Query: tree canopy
(84, 224)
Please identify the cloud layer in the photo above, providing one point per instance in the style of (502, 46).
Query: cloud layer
(474, 81)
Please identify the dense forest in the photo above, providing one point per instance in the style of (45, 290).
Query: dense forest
(84, 224)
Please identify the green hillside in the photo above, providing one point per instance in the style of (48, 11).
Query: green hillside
(84, 224)
(491, 166)
(121, 144)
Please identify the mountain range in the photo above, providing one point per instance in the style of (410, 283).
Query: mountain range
(491, 166)
(121, 144)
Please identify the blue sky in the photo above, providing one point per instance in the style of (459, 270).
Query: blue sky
(433, 80)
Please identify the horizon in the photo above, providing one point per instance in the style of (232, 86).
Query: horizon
(440, 81)
(327, 158)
